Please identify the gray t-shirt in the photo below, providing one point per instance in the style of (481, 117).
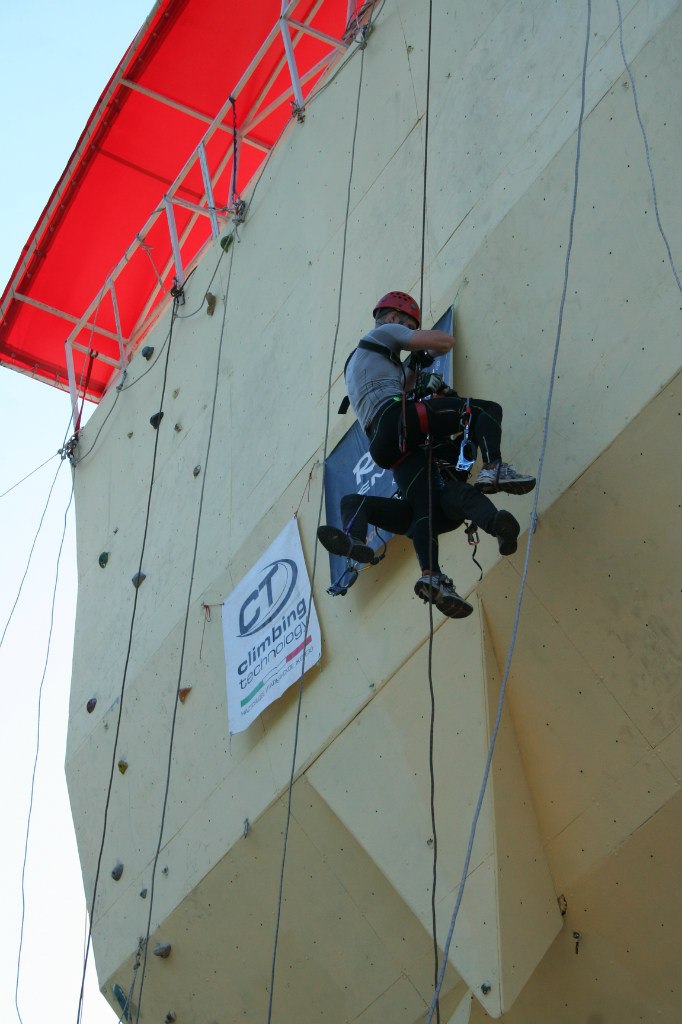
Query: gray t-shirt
(371, 378)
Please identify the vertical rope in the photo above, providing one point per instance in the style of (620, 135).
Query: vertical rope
(432, 695)
(633, 88)
(36, 756)
(188, 603)
(79, 1014)
(533, 521)
(314, 569)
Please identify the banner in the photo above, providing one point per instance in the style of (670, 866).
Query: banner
(350, 469)
(264, 621)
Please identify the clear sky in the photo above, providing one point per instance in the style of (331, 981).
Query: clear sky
(55, 60)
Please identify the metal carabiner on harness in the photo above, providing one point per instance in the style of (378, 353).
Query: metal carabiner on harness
(467, 450)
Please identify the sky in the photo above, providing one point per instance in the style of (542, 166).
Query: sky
(55, 60)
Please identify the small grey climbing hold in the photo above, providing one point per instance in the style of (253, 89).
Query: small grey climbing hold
(103, 559)
(170, 1017)
(210, 303)
(123, 766)
(117, 871)
(156, 419)
(486, 987)
(178, 428)
(138, 579)
(163, 950)
(91, 705)
(196, 471)
(147, 352)
(143, 894)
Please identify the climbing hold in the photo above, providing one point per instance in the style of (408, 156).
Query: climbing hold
(147, 352)
(164, 871)
(130, 434)
(156, 419)
(138, 579)
(486, 987)
(176, 392)
(117, 871)
(210, 303)
(196, 471)
(170, 1017)
(226, 242)
(103, 559)
(122, 766)
(143, 894)
(163, 950)
(182, 693)
(247, 826)
(122, 1000)
(91, 705)
(178, 428)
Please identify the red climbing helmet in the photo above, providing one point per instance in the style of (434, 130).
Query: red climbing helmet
(400, 301)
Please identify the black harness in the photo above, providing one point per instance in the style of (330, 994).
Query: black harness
(369, 346)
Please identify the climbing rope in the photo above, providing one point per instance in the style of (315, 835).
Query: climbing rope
(30, 555)
(633, 88)
(125, 674)
(184, 641)
(28, 475)
(533, 523)
(432, 694)
(35, 760)
(299, 701)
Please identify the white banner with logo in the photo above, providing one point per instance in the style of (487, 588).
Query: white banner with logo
(264, 630)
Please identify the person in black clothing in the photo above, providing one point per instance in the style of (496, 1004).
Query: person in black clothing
(397, 426)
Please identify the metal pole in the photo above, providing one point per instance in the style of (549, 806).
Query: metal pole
(73, 391)
(208, 189)
(117, 320)
(293, 69)
(175, 245)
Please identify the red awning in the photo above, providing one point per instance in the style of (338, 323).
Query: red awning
(98, 266)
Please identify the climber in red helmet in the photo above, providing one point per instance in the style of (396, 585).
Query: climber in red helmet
(397, 426)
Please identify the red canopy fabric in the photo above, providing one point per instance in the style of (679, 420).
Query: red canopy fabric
(176, 77)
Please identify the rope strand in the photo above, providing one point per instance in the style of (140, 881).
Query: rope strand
(646, 149)
(35, 759)
(314, 568)
(533, 521)
(124, 678)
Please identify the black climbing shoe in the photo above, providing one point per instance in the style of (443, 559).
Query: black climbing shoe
(443, 595)
(340, 543)
(507, 530)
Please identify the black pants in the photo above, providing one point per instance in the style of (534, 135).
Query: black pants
(444, 417)
(449, 504)
(452, 501)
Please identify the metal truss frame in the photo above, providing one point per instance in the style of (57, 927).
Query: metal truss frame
(291, 31)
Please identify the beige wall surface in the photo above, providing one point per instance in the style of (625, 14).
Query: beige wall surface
(584, 793)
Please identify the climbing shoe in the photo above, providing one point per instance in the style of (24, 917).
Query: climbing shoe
(443, 595)
(501, 476)
(506, 529)
(340, 543)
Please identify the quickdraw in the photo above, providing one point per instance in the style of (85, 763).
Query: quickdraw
(467, 449)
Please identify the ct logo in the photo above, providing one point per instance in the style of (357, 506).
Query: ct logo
(264, 604)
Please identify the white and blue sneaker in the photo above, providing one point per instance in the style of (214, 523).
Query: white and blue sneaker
(501, 476)
(441, 591)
